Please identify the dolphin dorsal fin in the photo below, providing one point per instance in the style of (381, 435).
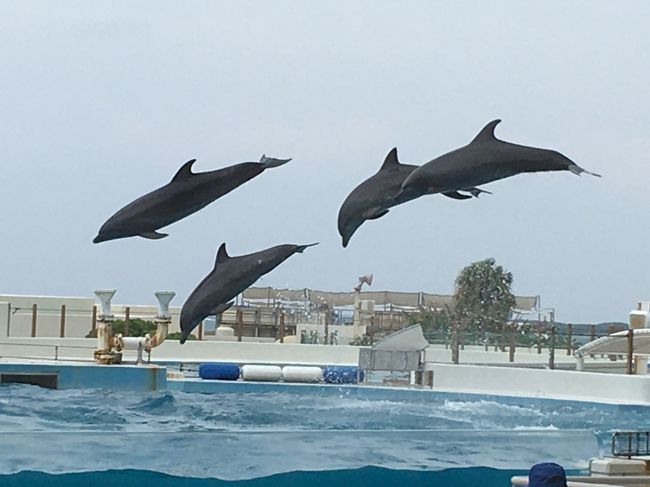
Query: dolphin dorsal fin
(222, 255)
(487, 133)
(185, 171)
(391, 160)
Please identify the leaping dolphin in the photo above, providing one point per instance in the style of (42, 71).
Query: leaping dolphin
(483, 160)
(185, 194)
(372, 198)
(230, 276)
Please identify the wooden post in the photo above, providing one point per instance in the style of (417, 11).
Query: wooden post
(62, 326)
(34, 313)
(539, 337)
(511, 354)
(551, 352)
(569, 345)
(127, 320)
(93, 322)
(258, 321)
(593, 333)
(630, 351)
(239, 323)
(455, 352)
(200, 332)
(327, 325)
(282, 327)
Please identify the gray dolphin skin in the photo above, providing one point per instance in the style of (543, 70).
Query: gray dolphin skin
(185, 194)
(230, 277)
(483, 160)
(376, 195)
(373, 197)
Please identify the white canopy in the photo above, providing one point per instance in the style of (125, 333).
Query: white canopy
(408, 339)
(616, 343)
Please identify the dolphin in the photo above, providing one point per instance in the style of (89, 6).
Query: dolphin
(185, 194)
(372, 198)
(483, 160)
(230, 277)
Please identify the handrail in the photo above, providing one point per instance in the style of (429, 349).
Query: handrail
(55, 347)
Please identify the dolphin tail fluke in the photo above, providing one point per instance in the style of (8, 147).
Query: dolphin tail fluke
(270, 162)
(577, 170)
(301, 248)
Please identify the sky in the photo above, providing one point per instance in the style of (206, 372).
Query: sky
(101, 102)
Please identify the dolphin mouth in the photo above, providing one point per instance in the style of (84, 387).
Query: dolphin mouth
(99, 238)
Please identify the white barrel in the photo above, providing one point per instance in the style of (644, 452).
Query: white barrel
(133, 343)
(269, 373)
(292, 373)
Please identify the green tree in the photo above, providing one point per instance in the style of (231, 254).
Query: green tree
(435, 323)
(483, 300)
(177, 336)
(137, 328)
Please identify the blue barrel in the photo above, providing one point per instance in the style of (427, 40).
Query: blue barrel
(339, 374)
(219, 371)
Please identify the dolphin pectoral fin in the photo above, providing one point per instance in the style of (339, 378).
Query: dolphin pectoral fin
(301, 248)
(153, 235)
(577, 170)
(456, 195)
(270, 162)
(475, 192)
(376, 215)
(222, 307)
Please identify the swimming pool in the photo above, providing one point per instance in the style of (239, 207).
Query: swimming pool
(94, 435)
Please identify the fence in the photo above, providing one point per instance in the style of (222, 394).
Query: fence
(541, 337)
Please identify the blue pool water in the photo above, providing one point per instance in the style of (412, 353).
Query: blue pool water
(83, 437)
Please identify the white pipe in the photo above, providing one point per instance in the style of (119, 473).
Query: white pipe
(580, 362)
(133, 343)
(103, 336)
(162, 328)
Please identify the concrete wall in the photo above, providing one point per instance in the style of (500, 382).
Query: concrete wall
(476, 354)
(191, 351)
(542, 383)
(249, 352)
(78, 315)
(76, 376)
(4, 319)
(78, 320)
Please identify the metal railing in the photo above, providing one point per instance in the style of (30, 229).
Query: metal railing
(630, 443)
(55, 351)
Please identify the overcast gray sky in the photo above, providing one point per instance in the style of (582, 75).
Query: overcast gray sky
(101, 102)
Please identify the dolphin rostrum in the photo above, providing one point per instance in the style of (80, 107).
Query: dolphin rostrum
(372, 198)
(230, 277)
(185, 194)
(483, 160)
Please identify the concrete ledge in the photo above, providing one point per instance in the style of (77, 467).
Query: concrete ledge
(543, 383)
(90, 376)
